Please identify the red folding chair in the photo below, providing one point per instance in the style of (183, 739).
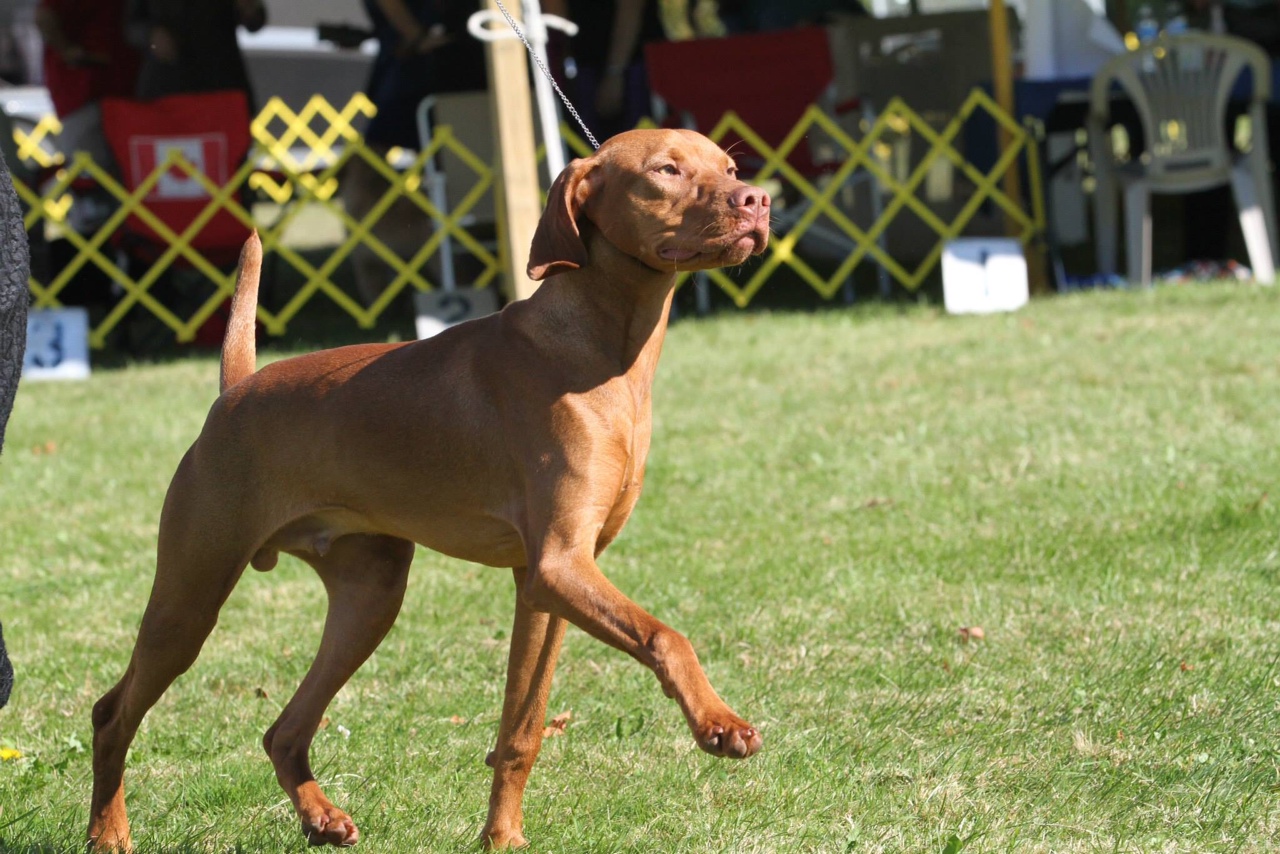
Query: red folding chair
(768, 79)
(211, 130)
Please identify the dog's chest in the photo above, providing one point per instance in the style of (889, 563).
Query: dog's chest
(627, 491)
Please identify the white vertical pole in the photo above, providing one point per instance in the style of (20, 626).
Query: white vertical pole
(548, 106)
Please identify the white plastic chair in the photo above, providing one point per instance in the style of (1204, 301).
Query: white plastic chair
(1181, 87)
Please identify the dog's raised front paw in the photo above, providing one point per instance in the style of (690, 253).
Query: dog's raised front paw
(729, 736)
(330, 826)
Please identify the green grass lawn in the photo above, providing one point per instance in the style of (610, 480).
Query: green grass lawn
(831, 498)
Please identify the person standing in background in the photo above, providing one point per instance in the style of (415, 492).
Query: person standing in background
(605, 66)
(86, 59)
(190, 45)
(423, 49)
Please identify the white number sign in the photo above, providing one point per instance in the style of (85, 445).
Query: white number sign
(981, 275)
(438, 310)
(57, 345)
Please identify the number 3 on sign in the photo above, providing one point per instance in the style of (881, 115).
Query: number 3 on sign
(438, 310)
(57, 345)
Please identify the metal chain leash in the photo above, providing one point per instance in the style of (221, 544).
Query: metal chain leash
(546, 71)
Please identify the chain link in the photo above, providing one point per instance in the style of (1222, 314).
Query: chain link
(546, 71)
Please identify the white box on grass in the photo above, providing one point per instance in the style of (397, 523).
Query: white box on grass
(981, 275)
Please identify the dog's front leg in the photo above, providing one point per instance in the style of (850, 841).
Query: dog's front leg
(535, 646)
(569, 584)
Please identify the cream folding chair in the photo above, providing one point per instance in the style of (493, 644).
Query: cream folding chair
(1181, 87)
(467, 113)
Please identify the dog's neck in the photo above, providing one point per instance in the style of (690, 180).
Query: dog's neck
(615, 310)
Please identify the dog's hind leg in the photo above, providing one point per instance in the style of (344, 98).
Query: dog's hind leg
(194, 576)
(535, 646)
(364, 576)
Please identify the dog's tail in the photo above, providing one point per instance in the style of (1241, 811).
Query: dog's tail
(239, 347)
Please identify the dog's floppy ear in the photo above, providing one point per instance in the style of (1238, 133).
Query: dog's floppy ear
(557, 242)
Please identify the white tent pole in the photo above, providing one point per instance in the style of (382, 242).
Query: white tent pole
(548, 106)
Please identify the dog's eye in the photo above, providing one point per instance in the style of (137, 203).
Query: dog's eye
(669, 169)
(732, 171)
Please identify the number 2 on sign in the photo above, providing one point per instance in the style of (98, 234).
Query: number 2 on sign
(438, 310)
(453, 308)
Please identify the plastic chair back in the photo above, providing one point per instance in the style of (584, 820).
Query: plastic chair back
(1181, 87)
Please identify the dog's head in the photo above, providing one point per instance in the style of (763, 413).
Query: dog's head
(669, 198)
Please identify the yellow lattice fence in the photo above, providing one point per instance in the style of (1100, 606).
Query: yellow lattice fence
(292, 164)
(35, 147)
(896, 121)
(297, 161)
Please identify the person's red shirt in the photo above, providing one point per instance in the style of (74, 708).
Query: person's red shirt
(111, 68)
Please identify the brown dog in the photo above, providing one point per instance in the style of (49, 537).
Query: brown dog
(516, 440)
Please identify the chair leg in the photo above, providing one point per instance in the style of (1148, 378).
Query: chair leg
(1137, 232)
(702, 293)
(1258, 162)
(1254, 224)
(437, 190)
(1263, 182)
(1105, 223)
